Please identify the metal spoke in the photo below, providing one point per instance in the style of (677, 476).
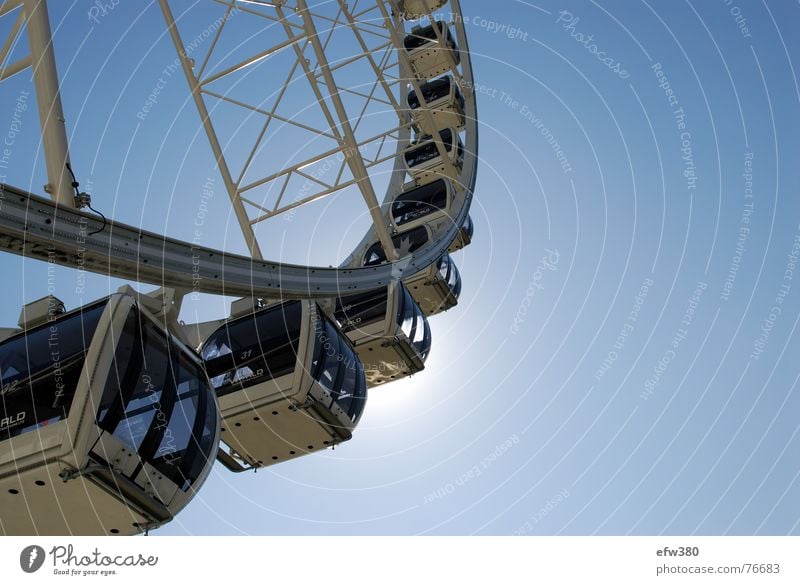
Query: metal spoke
(222, 164)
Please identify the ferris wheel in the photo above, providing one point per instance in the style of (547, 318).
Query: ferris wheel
(113, 414)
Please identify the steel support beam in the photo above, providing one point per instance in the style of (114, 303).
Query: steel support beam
(208, 126)
(352, 153)
(37, 228)
(48, 98)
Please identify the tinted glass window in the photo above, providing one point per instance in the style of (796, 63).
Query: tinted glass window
(356, 311)
(423, 344)
(448, 271)
(344, 394)
(138, 385)
(40, 370)
(431, 91)
(331, 343)
(415, 325)
(359, 400)
(405, 243)
(157, 401)
(339, 371)
(187, 443)
(255, 348)
(177, 437)
(428, 150)
(425, 35)
(191, 468)
(407, 314)
(419, 202)
(460, 98)
(469, 227)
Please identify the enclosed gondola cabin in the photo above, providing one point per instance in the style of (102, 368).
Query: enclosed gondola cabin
(443, 100)
(108, 423)
(414, 9)
(429, 57)
(437, 287)
(424, 162)
(464, 237)
(430, 204)
(288, 382)
(389, 331)
(418, 206)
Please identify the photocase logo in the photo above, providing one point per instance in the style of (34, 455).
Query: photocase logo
(31, 558)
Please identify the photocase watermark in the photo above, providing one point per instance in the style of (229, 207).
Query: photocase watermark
(569, 22)
(172, 68)
(548, 263)
(767, 325)
(331, 350)
(744, 228)
(473, 472)
(478, 88)
(31, 558)
(677, 339)
(101, 9)
(510, 31)
(206, 195)
(738, 18)
(80, 275)
(543, 512)
(317, 175)
(627, 329)
(95, 562)
(14, 128)
(58, 384)
(490, 25)
(385, 367)
(51, 269)
(83, 232)
(529, 115)
(679, 115)
(66, 561)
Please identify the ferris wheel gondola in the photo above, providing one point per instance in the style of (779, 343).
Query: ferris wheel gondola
(389, 331)
(428, 55)
(420, 205)
(289, 383)
(437, 287)
(431, 203)
(425, 163)
(464, 237)
(445, 102)
(109, 423)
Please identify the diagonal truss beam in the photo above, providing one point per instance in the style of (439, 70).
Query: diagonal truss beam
(33, 15)
(352, 154)
(301, 35)
(222, 164)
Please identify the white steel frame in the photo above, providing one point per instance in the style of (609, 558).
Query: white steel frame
(33, 14)
(27, 221)
(320, 75)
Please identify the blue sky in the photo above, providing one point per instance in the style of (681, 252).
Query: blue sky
(623, 359)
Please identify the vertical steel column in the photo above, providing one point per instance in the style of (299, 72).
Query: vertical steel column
(351, 151)
(227, 179)
(48, 98)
